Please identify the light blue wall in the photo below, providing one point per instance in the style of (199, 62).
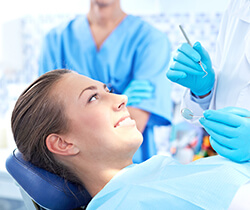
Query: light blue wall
(173, 6)
(13, 9)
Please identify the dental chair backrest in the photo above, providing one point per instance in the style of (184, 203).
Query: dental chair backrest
(46, 189)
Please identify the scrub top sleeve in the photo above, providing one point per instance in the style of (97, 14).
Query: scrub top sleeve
(150, 63)
(47, 59)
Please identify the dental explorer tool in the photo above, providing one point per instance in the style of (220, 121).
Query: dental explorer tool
(185, 35)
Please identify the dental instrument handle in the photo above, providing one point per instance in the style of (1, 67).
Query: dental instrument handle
(188, 114)
(203, 116)
(199, 116)
(185, 35)
(188, 41)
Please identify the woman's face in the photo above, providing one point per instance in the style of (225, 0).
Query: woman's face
(99, 122)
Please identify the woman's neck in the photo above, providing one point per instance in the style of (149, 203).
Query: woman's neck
(94, 183)
(95, 176)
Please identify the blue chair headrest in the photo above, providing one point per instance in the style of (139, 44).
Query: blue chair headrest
(46, 189)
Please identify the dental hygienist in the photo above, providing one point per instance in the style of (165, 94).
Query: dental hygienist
(122, 51)
(227, 84)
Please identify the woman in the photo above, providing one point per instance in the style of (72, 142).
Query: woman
(73, 126)
(119, 50)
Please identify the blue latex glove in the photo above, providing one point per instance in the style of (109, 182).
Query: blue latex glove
(186, 71)
(229, 131)
(138, 90)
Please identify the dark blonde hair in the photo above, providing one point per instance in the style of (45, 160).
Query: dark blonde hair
(36, 115)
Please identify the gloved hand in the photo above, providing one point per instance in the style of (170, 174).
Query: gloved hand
(137, 90)
(186, 71)
(229, 131)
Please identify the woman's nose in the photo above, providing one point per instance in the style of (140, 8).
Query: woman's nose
(121, 101)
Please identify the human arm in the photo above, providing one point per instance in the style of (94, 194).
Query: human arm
(140, 116)
(150, 63)
(137, 91)
(229, 130)
(49, 58)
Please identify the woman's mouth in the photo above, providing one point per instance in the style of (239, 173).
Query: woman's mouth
(126, 121)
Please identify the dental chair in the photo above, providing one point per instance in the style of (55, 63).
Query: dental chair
(41, 189)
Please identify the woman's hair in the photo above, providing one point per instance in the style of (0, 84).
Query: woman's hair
(38, 113)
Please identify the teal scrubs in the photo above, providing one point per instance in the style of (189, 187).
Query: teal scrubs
(134, 50)
(163, 183)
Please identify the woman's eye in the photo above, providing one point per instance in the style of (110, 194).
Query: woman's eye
(110, 90)
(93, 98)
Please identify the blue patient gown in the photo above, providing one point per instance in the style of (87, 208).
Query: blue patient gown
(163, 183)
(134, 50)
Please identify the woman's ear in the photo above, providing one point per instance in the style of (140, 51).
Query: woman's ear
(56, 144)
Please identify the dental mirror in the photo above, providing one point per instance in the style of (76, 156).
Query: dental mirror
(188, 114)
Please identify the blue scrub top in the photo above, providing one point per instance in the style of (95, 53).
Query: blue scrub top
(163, 183)
(134, 50)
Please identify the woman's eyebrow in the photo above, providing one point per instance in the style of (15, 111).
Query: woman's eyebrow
(88, 88)
(91, 88)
